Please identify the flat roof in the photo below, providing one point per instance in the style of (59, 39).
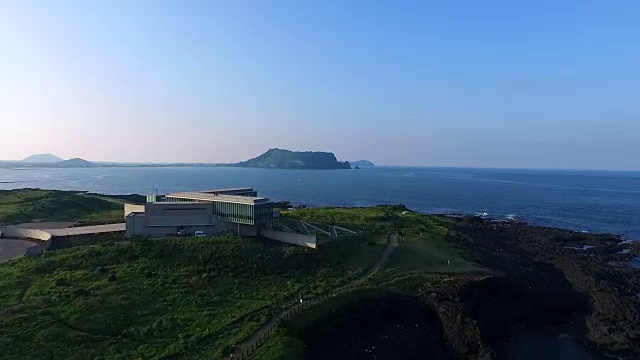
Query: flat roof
(214, 197)
(227, 190)
(169, 203)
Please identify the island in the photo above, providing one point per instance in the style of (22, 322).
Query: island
(286, 159)
(361, 163)
(41, 158)
(47, 161)
(75, 162)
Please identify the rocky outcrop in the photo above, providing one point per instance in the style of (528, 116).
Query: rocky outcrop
(286, 159)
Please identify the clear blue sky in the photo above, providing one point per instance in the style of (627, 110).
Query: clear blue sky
(543, 84)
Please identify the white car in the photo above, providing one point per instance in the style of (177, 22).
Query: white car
(200, 233)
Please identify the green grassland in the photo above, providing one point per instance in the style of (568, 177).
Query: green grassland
(169, 298)
(27, 205)
(425, 245)
(178, 298)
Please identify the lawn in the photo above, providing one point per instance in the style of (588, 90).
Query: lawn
(28, 205)
(169, 298)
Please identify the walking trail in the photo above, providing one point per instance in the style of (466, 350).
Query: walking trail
(250, 344)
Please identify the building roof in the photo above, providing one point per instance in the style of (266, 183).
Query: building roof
(231, 190)
(201, 196)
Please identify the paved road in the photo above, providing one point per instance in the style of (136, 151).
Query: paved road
(264, 330)
(45, 225)
(13, 248)
(83, 230)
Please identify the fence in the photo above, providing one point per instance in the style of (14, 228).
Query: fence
(294, 311)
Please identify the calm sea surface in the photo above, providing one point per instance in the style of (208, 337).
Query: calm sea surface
(580, 200)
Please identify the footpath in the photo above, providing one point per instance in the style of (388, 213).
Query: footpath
(250, 344)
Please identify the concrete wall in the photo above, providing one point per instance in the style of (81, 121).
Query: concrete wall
(84, 230)
(162, 219)
(43, 236)
(290, 238)
(180, 214)
(232, 228)
(137, 225)
(12, 232)
(35, 250)
(248, 230)
(131, 208)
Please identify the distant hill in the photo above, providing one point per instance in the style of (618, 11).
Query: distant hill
(361, 163)
(75, 162)
(286, 159)
(42, 158)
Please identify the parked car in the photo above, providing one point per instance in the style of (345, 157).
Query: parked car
(200, 233)
(182, 232)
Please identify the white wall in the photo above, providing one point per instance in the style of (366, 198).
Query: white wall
(129, 208)
(45, 237)
(12, 232)
(290, 238)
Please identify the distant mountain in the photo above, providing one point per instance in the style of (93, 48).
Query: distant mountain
(361, 163)
(286, 159)
(75, 162)
(42, 158)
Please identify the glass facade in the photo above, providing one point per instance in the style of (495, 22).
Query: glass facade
(250, 214)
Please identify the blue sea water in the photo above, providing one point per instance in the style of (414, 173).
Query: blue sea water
(592, 201)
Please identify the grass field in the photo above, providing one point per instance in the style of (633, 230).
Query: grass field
(28, 205)
(426, 244)
(170, 298)
(192, 297)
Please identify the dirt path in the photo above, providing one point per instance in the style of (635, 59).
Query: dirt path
(249, 345)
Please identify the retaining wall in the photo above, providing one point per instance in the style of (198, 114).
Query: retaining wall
(45, 237)
(12, 232)
(291, 238)
(35, 250)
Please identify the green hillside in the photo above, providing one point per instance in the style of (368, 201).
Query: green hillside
(170, 298)
(285, 159)
(28, 205)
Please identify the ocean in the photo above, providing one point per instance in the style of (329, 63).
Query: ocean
(594, 201)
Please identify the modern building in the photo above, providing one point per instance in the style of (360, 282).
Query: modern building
(239, 211)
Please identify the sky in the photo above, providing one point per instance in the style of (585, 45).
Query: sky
(526, 84)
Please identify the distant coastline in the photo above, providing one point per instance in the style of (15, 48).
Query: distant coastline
(271, 159)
